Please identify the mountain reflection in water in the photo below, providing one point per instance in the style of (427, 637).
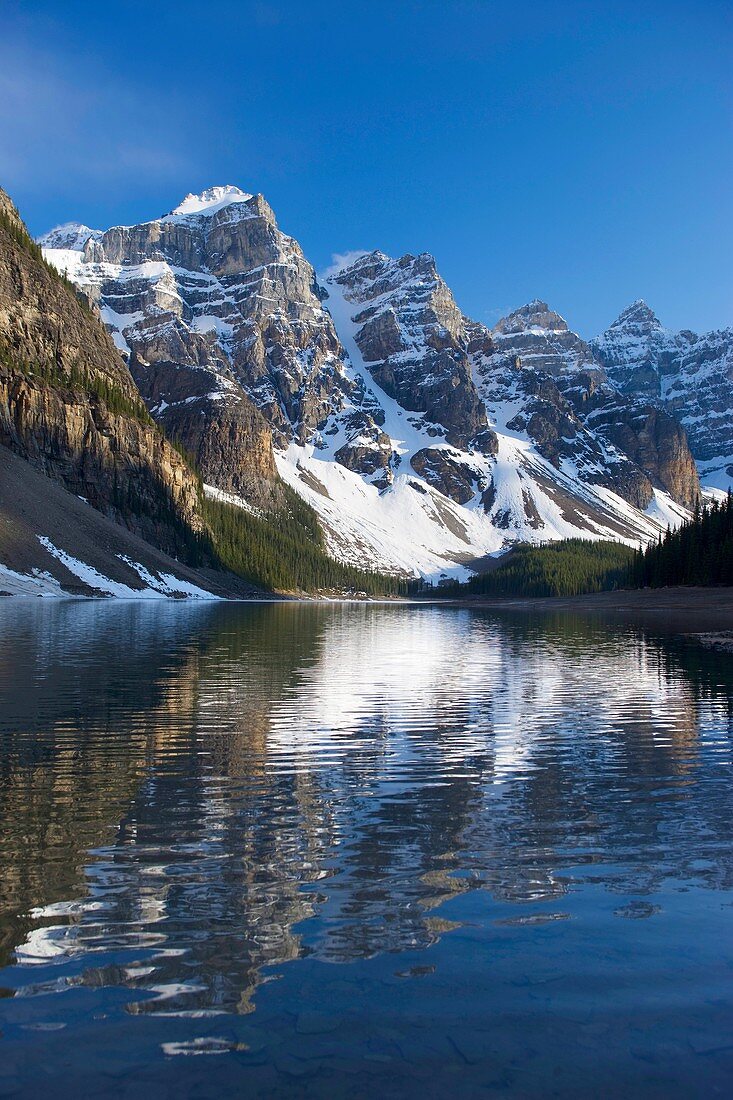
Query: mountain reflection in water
(465, 814)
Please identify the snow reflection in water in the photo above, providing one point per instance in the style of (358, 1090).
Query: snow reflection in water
(384, 848)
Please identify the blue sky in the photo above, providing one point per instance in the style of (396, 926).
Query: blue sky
(580, 152)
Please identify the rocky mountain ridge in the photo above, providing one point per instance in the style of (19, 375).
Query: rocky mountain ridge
(689, 376)
(652, 441)
(218, 314)
(423, 439)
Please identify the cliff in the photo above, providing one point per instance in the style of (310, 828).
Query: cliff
(69, 405)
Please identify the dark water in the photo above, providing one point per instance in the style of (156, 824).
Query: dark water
(361, 851)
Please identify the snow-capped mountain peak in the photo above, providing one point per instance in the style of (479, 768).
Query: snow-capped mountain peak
(540, 338)
(686, 374)
(422, 440)
(211, 200)
(70, 236)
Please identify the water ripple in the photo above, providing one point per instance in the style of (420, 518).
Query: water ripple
(420, 800)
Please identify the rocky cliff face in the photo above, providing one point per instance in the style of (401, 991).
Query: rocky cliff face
(422, 439)
(227, 339)
(541, 339)
(651, 440)
(69, 405)
(636, 351)
(412, 338)
(688, 376)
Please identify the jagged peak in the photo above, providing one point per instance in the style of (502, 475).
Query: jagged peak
(535, 315)
(211, 200)
(637, 315)
(369, 263)
(345, 261)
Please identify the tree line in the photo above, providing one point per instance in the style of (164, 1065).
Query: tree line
(570, 567)
(700, 552)
(284, 550)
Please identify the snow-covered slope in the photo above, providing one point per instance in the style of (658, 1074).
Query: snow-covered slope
(472, 496)
(418, 437)
(69, 237)
(627, 439)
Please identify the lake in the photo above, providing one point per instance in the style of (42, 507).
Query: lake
(361, 850)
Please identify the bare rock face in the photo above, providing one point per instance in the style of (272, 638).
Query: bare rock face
(650, 437)
(540, 338)
(232, 444)
(368, 449)
(69, 405)
(688, 376)
(446, 471)
(412, 338)
(219, 314)
(538, 343)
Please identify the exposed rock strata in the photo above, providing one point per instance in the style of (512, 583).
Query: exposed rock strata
(220, 315)
(69, 405)
(538, 338)
(688, 376)
(412, 337)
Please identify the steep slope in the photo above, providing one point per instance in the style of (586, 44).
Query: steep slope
(689, 376)
(69, 406)
(432, 372)
(367, 392)
(217, 312)
(52, 543)
(653, 442)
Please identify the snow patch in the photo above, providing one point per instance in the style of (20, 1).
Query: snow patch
(211, 200)
(164, 586)
(37, 583)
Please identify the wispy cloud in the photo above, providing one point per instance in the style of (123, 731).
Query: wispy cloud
(63, 127)
(341, 260)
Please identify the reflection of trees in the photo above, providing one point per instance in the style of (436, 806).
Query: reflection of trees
(309, 779)
(95, 697)
(81, 689)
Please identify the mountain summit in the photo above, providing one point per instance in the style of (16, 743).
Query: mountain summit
(422, 439)
(211, 200)
(637, 318)
(689, 376)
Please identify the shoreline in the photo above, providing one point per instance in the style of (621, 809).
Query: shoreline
(705, 608)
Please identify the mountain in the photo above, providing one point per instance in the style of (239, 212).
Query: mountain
(650, 439)
(218, 314)
(689, 376)
(92, 496)
(541, 338)
(70, 406)
(422, 440)
(474, 423)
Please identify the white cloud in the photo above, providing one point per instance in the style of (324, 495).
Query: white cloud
(340, 260)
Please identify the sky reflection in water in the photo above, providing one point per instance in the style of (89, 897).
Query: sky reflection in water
(361, 849)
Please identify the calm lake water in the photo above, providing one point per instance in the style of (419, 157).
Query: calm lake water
(363, 851)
